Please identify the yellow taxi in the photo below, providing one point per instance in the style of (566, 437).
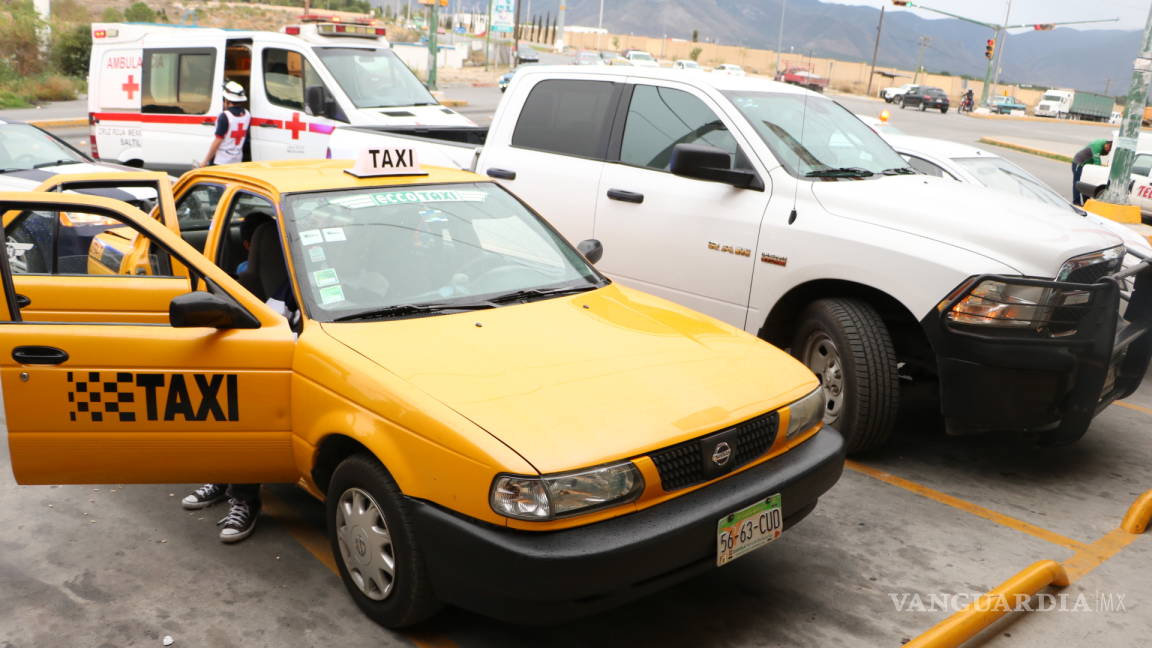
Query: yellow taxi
(491, 422)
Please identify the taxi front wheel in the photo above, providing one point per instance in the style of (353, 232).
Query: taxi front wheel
(847, 345)
(375, 546)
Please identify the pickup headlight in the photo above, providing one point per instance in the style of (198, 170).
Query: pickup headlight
(995, 303)
(1108, 261)
(552, 496)
(805, 413)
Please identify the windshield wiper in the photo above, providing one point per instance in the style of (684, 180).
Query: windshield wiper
(840, 172)
(402, 310)
(899, 171)
(11, 169)
(55, 163)
(530, 293)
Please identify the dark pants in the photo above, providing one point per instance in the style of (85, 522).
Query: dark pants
(247, 493)
(1077, 169)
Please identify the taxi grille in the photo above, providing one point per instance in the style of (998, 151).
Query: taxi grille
(682, 465)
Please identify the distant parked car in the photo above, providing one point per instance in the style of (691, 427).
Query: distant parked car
(892, 93)
(525, 54)
(804, 78)
(731, 69)
(686, 64)
(1005, 105)
(589, 58)
(640, 58)
(925, 97)
(504, 80)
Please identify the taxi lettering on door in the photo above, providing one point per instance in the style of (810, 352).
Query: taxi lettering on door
(126, 397)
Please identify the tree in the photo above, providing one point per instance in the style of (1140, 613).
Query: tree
(20, 27)
(695, 53)
(112, 14)
(71, 48)
(139, 12)
(695, 35)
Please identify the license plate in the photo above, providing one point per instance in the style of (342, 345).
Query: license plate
(747, 529)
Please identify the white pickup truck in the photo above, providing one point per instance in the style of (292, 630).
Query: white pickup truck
(777, 210)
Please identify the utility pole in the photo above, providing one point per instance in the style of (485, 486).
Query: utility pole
(1000, 32)
(875, 51)
(599, 26)
(1001, 44)
(1125, 147)
(433, 45)
(924, 42)
(488, 38)
(780, 36)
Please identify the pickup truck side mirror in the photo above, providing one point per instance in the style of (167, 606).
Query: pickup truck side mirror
(203, 309)
(711, 163)
(592, 250)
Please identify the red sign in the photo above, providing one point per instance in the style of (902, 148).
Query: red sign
(295, 126)
(131, 86)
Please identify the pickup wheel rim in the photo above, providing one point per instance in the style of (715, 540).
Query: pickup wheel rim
(365, 543)
(822, 357)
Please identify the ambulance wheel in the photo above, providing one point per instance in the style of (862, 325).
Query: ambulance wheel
(847, 345)
(375, 545)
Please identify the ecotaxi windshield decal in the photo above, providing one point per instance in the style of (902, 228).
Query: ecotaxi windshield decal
(409, 197)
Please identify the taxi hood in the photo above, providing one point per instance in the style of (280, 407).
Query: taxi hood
(1033, 238)
(582, 380)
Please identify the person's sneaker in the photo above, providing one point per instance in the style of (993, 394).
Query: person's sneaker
(239, 522)
(205, 496)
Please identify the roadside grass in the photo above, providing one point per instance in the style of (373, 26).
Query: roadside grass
(24, 92)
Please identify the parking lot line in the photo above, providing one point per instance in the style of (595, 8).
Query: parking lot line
(1138, 408)
(316, 543)
(1095, 554)
(967, 507)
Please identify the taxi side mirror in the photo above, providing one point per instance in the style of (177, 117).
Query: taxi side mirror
(203, 309)
(710, 163)
(592, 250)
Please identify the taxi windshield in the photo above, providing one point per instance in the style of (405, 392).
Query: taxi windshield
(1002, 175)
(817, 138)
(27, 147)
(374, 78)
(389, 252)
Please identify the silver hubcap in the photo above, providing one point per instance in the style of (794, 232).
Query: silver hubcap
(365, 544)
(823, 358)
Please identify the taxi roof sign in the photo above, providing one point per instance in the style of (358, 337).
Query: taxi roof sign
(385, 161)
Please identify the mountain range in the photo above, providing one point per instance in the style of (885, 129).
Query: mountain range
(1099, 60)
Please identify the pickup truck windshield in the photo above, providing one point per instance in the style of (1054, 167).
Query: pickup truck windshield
(374, 78)
(423, 250)
(813, 137)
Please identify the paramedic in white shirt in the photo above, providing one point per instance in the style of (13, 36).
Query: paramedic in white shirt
(231, 141)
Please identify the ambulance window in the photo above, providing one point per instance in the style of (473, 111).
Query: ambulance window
(569, 117)
(70, 243)
(661, 118)
(288, 77)
(178, 81)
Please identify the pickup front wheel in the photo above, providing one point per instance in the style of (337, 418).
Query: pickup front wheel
(375, 546)
(847, 345)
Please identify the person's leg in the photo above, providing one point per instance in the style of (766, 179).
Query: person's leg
(205, 496)
(245, 508)
(1077, 169)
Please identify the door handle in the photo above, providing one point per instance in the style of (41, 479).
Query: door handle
(503, 174)
(265, 124)
(626, 196)
(39, 355)
(22, 300)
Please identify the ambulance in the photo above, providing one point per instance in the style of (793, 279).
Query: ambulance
(155, 90)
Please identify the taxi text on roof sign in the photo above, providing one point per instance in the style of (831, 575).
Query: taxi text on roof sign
(386, 162)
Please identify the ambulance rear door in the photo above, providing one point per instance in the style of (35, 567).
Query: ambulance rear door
(114, 82)
(180, 99)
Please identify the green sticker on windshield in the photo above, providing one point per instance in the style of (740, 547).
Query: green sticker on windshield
(325, 277)
(331, 295)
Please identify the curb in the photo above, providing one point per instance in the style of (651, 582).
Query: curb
(453, 103)
(1060, 157)
(57, 123)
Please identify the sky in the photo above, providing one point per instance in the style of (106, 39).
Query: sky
(1132, 13)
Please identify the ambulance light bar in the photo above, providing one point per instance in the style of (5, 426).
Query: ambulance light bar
(334, 29)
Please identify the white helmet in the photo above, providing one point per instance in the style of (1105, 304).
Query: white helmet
(234, 92)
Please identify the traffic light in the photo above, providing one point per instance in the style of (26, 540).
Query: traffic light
(990, 48)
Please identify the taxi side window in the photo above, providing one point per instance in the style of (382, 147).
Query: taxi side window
(69, 243)
(660, 118)
(288, 78)
(196, 208)
(232, 253)
(178, 81)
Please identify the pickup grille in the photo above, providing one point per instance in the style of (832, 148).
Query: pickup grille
(682, 465)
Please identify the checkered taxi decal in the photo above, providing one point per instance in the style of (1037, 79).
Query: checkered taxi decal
(127, 397)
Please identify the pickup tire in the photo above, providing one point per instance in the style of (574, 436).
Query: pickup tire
(847, 345)
(375, 545)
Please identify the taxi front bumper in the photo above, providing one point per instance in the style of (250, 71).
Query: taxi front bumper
(1051, 384)
(542, 577)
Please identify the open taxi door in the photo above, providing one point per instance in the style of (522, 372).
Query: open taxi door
(47, 251)
(203, 396)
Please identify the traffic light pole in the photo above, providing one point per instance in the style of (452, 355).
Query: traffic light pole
(1125, 146)
(987, 89)
(433, 45)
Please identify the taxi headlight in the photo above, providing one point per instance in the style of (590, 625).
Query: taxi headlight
(559, 495)
(805, 413)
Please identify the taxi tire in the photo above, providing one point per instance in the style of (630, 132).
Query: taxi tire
(869, 365)
(411, 600)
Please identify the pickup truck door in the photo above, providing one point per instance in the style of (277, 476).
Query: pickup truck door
(57, 257)
(99, 401)
(691, 241)
(287, 99)
(553, 155)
